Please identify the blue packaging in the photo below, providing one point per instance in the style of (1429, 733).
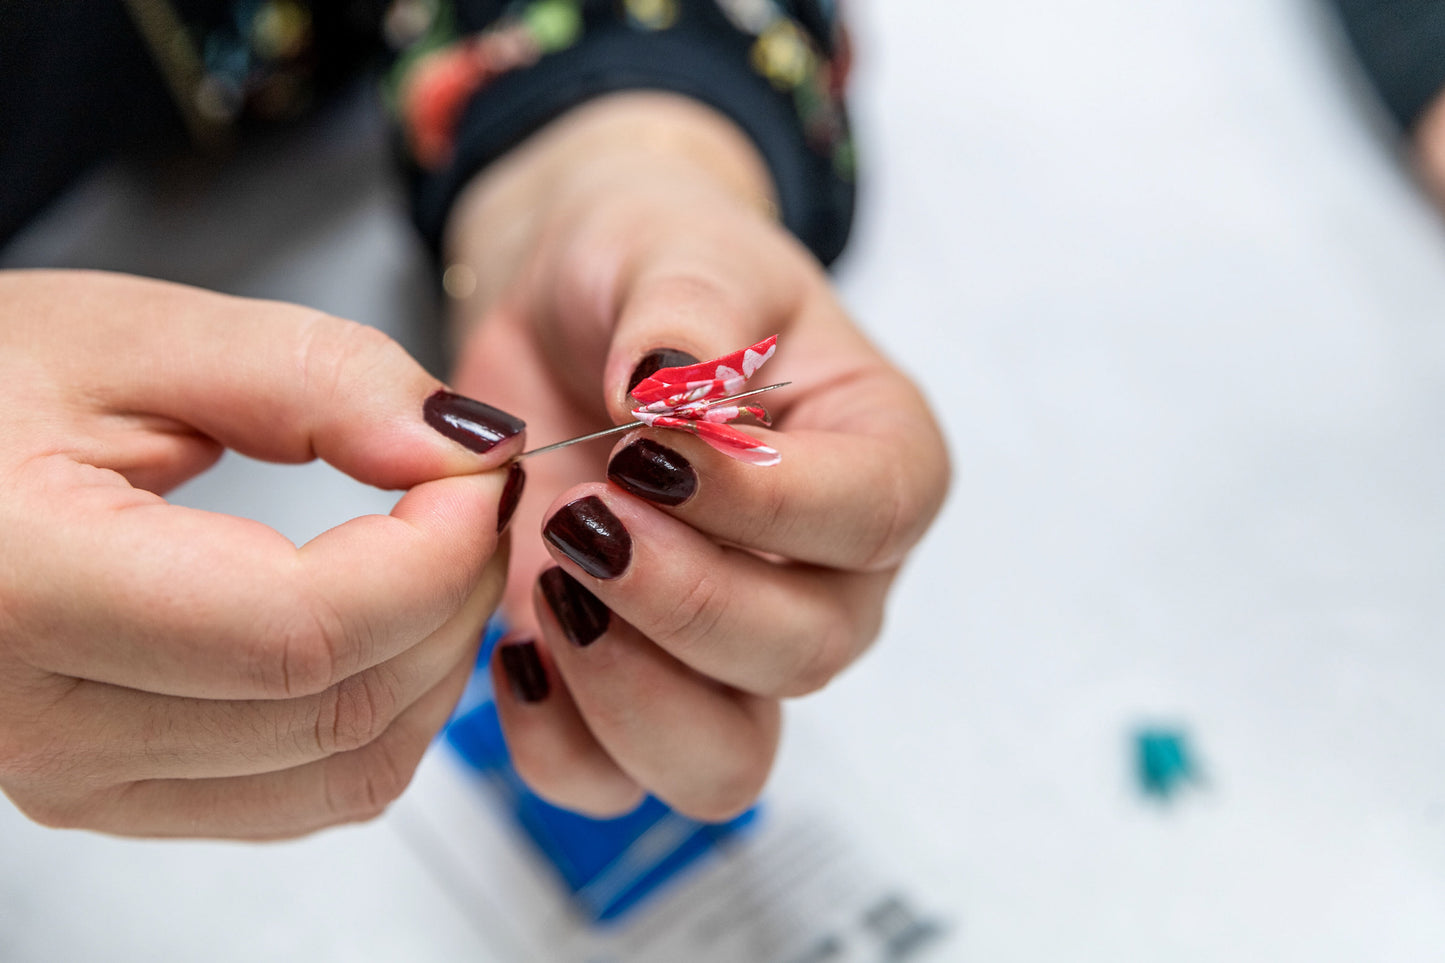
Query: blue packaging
(607, 865)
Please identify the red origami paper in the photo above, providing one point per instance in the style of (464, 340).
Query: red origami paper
(692, 398)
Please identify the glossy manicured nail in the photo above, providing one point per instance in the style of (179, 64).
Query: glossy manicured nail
(523, 667)
(469, 422)
(655, 362)
(653, 472)
(581, 614)
(511, 495)
(589, 534)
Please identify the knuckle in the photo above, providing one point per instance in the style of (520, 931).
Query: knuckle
(821, 658)
(355, 712)
(332, 346)
(768, 519)
(696, 617)
(14, 755)
(25, 758)
(911, 504)
(372, 780)
(692, 289)
(884, 537)
(300, 656)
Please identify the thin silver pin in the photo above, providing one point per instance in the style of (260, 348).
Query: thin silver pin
(635, 424)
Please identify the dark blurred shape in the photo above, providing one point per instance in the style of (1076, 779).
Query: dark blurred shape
(75, 85)
(80, 82)
(1164, 761)
(1402, 46)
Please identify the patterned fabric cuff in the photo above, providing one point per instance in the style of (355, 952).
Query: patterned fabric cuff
(777, 70)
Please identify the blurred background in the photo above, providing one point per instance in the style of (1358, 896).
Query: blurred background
(1182, 308)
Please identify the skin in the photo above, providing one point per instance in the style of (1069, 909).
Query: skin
(768, 581)
(171, 672)
(1430, 149)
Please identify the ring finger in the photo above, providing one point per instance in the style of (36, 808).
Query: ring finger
(767, 628)
(702, 747)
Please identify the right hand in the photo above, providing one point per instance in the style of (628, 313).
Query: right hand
(166, 671)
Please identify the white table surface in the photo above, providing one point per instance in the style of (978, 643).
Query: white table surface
(1184, 315)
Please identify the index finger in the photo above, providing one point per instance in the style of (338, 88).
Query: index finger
(864, 468)
(276, 381)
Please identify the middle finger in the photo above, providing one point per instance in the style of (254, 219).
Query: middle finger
(701, 747)
(767, 628)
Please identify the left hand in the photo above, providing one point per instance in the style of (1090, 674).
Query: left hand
(694, 591)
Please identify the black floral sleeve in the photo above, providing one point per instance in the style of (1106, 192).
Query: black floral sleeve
(467, 80)
(476, 78)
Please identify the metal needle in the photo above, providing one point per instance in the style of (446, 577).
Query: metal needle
(634, 424)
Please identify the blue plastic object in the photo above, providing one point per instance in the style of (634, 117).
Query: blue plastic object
(1163, 761)
(607, 865)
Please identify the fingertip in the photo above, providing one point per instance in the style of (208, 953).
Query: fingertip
(552, 749)
(457, 506)
(511, 495)
(433, 434)
(576, 493)
(586, 531)
(652, 471)
(475, 425)
(367, 406)
(657, 359)
(581, 617)
(519, 665)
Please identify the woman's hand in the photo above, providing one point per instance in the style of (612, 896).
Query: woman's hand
(171, 672)
(1429, 148)
(675, 604)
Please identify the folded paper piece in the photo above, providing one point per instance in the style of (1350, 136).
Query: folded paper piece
(694, 398)
(701, 398)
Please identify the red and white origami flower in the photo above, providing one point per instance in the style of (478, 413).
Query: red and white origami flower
(694, 398)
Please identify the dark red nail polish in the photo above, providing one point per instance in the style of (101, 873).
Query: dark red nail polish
(589, 534)
(511, 495)
(656, 361)
(654, 472)
(581, 614)
(524, 671)
(469, 422)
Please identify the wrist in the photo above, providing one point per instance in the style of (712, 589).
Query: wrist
(635, 140)
(1430, 147)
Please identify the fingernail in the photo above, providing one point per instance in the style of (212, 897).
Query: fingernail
(525, 674)
(581, 614)
(469, 422)
(589, 534)
(511, 495)
(655, 362)
(654, 472)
